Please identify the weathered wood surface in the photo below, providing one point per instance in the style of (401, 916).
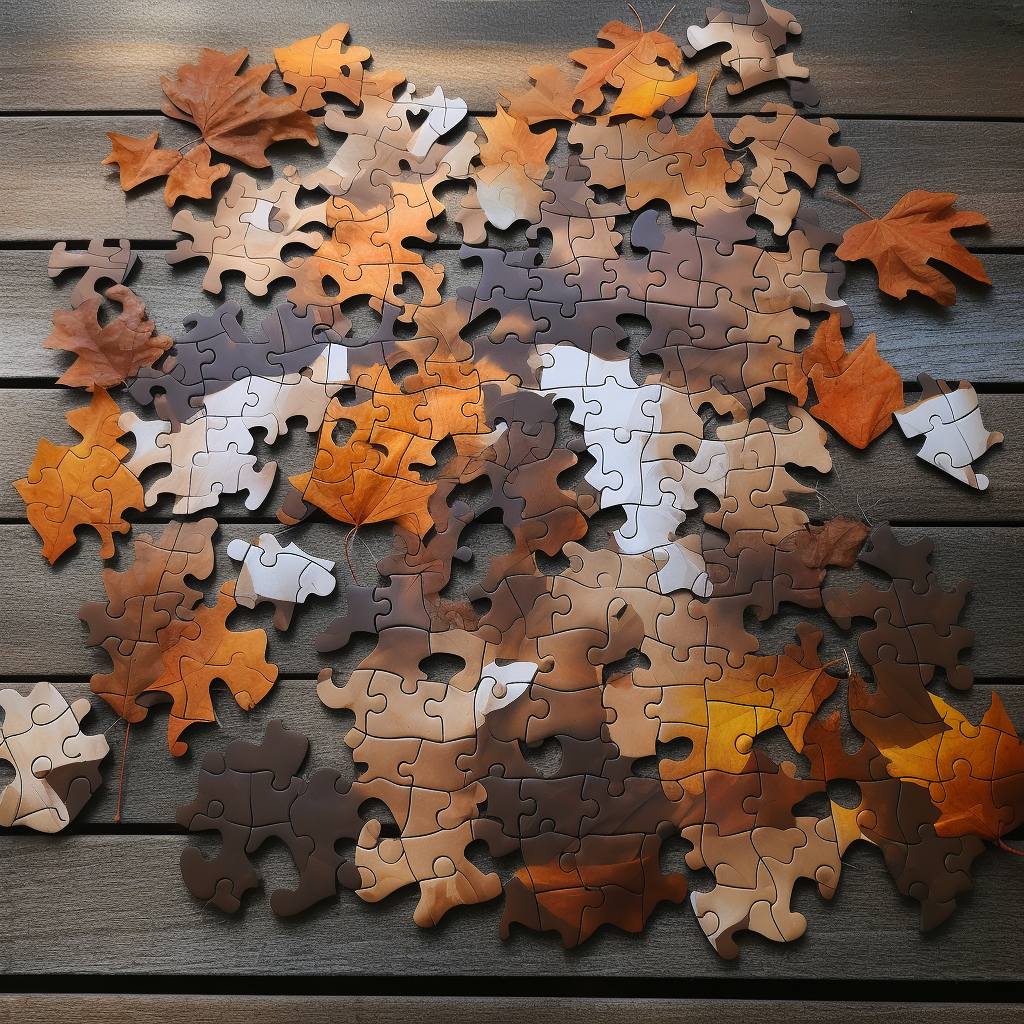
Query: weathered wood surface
(873, 57)
(58, 185)
(905, 81)
(116, 904)
(886, 481)
(38, 1008)
(980, 338)
(43, 637)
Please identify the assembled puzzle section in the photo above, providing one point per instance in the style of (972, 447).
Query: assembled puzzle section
(647, 488)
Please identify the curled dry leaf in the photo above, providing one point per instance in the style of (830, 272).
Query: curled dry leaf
(857, 391)
(916, 230)
(630, 65)
(107, 355)
(233, 114)
(322, 64)
(84, 484)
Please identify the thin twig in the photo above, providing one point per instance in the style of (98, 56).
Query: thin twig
(348, 537)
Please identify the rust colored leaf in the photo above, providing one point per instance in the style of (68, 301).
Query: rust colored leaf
(194, 176)
(630, 65)
(197, 652)
(84, 484)
(139, 160)
(106, 355)
(322, 64)
(141, 601)
(836, 542)
(550, 98)
(232, 112)
(916, 230)
(857, 391)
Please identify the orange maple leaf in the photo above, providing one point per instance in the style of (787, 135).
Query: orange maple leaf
(322, 64)
(232, 112)
(916, 230)
(86, 483)
(197, 652)
(106, 355)
(188, 174)
(857, 391)
(630, 65)
(550, 98)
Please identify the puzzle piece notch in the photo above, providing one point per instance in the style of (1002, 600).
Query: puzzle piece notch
(101, 262)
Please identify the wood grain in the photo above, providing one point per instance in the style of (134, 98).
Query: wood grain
(951, 61)
(43, 637)
(57, 184)
(156, 782)
(37, 1008)
(979, 338)
(116, 904)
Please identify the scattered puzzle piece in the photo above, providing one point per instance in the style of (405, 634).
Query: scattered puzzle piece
(56, 765)
(951, 421)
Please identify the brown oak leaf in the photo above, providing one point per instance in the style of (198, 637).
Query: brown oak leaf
(916, 230)
(630, 65)
(197, 652)
(84, 484)
(857, 391)
(322, 64)
(106, 355)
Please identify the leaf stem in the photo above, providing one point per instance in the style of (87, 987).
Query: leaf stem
(663, 20)
(839, 195)
(707, 95)
(638, 18)
(348, 537)
(120, 784)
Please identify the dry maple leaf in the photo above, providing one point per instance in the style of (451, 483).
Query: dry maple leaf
(141, 601)
(139, 160)
(916, 230)
(197, 652)
(69, 486)
(322, 64)
(106, 355)
(188, 174)
(550, 98)
(232, 112)
(857, 391)
(630, 65)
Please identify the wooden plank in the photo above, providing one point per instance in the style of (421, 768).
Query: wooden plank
(38, 1008)
(57, 189)
(980, 338)
(115, 904)
(155, 782)
(43, 637)
(917, 492)
(872, 57)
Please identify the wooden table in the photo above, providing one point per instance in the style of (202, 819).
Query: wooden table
(932, 95)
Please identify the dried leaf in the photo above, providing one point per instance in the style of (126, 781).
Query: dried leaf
(142, 600)
(231, 111)
(916, 230)
(106, 355)
(194, 176)
(630, 64)
(197, 652)
(69, 486)
(857, 391)
(550, 98)
(322, 64)
(139, 160)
